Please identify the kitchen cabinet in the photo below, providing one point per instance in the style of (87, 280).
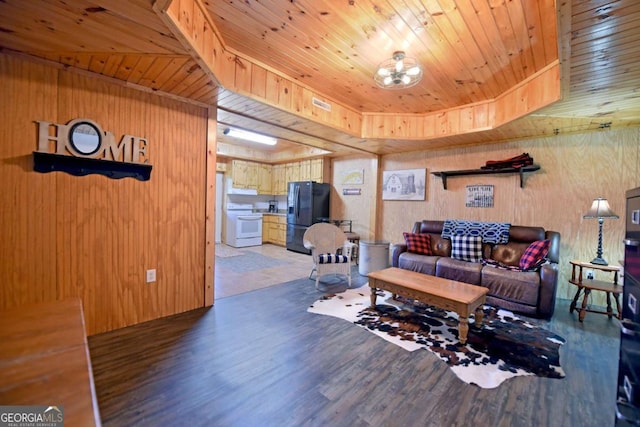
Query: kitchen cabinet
(264, 173)
(272, 180)
(243, 174)
(274, 229)
(292, 171)
(279, 180)
(316, 170)
(305, 170)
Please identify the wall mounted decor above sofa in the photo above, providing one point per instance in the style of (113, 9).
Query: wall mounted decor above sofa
(521, 270)
(81, 147)
(409, 184)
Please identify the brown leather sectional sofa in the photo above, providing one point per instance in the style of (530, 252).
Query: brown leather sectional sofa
(528, 292)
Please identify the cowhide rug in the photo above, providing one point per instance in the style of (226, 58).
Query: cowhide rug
(506, 346)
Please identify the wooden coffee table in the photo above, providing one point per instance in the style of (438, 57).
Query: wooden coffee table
(436, 291)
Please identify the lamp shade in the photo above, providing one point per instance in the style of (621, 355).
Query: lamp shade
(600, 209)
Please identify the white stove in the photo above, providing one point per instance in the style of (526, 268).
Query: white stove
(244, 227)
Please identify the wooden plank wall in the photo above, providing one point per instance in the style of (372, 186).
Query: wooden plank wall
(575, 169)
(361, 209)
(95, 237)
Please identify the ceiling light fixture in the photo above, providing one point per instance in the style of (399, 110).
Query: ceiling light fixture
(250, 136)
(398, 72)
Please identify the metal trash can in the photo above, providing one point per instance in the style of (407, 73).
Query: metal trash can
(374, 256)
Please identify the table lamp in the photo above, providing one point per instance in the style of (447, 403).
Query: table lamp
(600, 209)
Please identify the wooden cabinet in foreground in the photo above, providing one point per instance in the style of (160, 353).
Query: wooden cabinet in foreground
(274, 229)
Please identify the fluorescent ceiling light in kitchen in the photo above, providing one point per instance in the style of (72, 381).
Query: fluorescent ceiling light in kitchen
(250, 136)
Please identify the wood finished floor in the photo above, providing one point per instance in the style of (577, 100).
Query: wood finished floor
(229, 282)
(260, 359)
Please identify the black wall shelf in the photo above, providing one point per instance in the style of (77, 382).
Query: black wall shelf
(445, 174)
(79, 166)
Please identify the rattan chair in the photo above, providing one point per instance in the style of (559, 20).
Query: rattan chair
(330, 250)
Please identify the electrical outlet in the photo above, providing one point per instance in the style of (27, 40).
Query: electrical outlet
(151, 276)
(589, 274)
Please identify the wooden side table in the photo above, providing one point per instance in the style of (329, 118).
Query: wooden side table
(587, 285)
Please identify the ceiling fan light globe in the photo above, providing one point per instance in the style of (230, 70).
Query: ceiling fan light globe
(413, 71)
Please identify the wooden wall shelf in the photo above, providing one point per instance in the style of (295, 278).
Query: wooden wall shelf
(79, 166)
(445, 174)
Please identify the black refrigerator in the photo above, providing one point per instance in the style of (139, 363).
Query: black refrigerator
(307, 202)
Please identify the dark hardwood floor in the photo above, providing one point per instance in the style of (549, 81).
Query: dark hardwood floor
(259, 359)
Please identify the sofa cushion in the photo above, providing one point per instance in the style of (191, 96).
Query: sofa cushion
(461, 271)
(535, 254)
(425, 264)
(509, 254)
(516, 286)
(418, 243)
(440, 246)
(498, 264)
(466, 248)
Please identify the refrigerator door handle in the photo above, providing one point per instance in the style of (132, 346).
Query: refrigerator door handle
(631, 242)
(297, 202)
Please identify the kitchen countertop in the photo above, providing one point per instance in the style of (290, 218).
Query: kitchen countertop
(274, 213)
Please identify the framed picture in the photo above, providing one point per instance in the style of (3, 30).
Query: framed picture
(408, 184)
(479, 196)
(353, 176)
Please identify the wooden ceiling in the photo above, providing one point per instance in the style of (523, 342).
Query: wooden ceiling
(472, 51)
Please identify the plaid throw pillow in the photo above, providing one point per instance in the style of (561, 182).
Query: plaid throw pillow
(466, 248)
(535, 254)
(418, 243)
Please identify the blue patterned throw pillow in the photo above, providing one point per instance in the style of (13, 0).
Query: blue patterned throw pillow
(466, 248)
(491, 232)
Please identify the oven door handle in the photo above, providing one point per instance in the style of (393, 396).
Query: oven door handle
(631, 242)
(249, 218)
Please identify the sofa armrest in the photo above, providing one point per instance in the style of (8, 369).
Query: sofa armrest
(548, 285)
(554, 247)
(396, 250)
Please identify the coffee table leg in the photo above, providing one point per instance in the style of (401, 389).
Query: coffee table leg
(479, 315)
(463, 329)
(374, 296)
